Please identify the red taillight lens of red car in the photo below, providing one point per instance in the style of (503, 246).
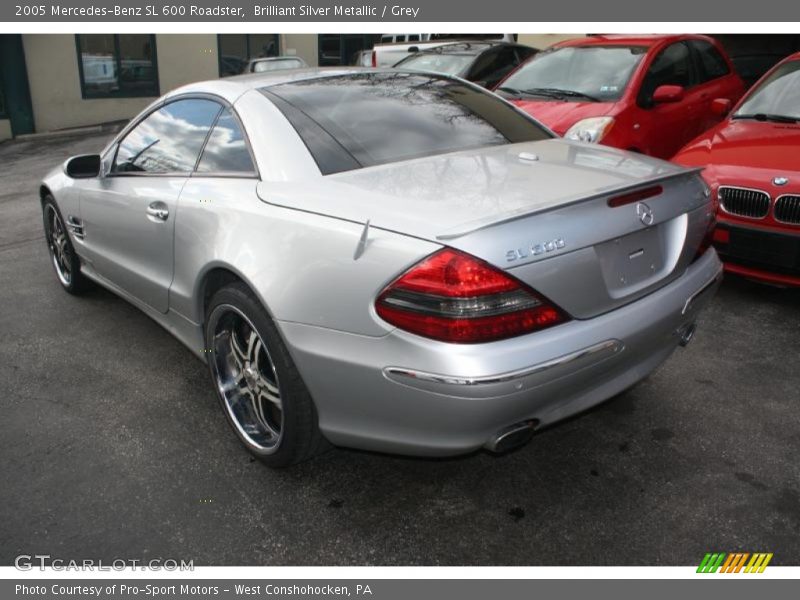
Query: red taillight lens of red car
(374, 58)
(454, 297)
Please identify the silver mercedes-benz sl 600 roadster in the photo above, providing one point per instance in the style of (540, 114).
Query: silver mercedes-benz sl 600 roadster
(395, 261)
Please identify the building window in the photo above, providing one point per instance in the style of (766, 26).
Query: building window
(235, 49)
(343, 48)
(3, 112)
(117, 66)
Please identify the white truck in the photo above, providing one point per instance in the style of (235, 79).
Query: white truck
(394, 47)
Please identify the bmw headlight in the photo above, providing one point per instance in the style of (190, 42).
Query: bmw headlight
(591, 130)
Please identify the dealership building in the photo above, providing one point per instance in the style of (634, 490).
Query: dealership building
(50, 82)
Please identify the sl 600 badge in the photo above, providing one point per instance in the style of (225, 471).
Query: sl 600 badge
(535, 249)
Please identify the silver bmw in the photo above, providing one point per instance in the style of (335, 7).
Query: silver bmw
(386, 260)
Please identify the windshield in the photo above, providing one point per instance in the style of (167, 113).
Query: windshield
(436, 62)
(263, 66)
(362, 120)
(778, 95)
(599, 72)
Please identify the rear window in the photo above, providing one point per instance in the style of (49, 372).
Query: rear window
(437, 62)
(264, 66)
(367, 119)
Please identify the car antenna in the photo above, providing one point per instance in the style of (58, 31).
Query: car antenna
(362, 242)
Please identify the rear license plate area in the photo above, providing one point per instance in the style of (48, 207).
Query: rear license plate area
(633, 260)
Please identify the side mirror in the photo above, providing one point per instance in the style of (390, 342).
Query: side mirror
(721, 106)
(84, 166)
(668, 93)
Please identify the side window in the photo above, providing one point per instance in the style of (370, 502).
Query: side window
(673, 66)
(510, 57)
(226, 149)
(712, 65)
(483, 65)
(503, 62)
(169, 140)
(524, 53)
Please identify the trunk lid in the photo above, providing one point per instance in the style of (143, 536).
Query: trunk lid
(538, 209)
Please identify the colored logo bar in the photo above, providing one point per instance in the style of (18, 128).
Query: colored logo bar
(734, 562)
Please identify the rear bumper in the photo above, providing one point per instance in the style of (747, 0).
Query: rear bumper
(762, 275)
(405, 394)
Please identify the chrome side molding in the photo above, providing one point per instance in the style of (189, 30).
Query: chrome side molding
(607, 347)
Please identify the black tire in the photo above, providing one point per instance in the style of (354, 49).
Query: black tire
(234, 313)
(63, 259)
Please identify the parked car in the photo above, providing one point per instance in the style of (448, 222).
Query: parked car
(484, 63)
(231, 65)
(274, 63)
(752, 163)
(396, 46)
(651, 94)
(359, 258)
(362, 58)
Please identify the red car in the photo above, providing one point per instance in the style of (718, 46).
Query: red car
(752, 162)
(651, 94)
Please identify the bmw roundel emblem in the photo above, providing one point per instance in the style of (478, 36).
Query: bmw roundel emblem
(780, 180)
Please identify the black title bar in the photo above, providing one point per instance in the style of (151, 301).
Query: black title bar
(443, 11)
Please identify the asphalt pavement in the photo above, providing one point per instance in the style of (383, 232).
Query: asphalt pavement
(114, 446)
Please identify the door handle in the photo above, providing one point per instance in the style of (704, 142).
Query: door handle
(157, 211)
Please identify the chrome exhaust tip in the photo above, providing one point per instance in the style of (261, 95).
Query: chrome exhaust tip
(686, 334)
(511, 437)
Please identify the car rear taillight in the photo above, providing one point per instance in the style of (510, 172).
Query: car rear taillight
(454, 297)
(374, 58)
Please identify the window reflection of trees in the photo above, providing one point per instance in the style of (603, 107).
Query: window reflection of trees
(382, 118)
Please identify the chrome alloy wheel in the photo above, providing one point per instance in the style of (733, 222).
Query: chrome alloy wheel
(58, 242)
(246, 378)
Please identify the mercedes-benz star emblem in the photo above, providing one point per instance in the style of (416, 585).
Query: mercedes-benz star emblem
(645, 214)
(780, 180)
